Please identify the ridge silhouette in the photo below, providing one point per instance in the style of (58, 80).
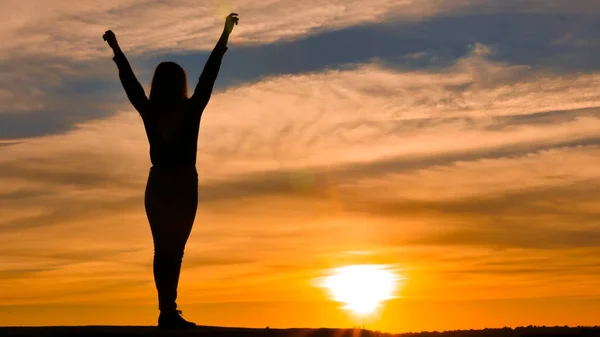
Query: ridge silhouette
(172, 123)
(208, 331)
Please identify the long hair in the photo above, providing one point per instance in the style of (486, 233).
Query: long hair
(169, 85)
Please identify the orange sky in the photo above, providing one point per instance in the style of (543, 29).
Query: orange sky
(475, 179)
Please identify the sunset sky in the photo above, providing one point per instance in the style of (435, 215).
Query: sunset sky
(456, 142)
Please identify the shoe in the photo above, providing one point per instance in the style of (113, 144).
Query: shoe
(173, 321)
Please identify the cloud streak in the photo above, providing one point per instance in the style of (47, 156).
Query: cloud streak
(72, 28)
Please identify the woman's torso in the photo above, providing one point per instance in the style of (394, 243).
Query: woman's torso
(173, 136)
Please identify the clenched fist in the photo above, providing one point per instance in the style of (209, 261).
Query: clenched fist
(111, 39)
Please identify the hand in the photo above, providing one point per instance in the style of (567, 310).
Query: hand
(231, 20)
(111, 39)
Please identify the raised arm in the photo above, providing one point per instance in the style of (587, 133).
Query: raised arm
(133, 88)
(205, 85)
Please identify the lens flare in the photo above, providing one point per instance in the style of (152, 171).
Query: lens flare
(362, 288)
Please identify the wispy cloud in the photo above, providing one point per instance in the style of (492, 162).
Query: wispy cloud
(72, 28)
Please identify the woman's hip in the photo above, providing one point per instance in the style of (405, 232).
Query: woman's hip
(177, 186)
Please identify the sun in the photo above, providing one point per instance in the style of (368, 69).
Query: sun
(362, 288)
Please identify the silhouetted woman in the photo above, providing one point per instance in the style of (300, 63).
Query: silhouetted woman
(172, 121)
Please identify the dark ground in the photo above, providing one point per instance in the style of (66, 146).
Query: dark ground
(113, 331)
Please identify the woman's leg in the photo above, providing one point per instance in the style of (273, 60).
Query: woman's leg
(171, 202)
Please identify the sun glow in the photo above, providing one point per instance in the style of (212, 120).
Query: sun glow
(362, 288)
(222, 8)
